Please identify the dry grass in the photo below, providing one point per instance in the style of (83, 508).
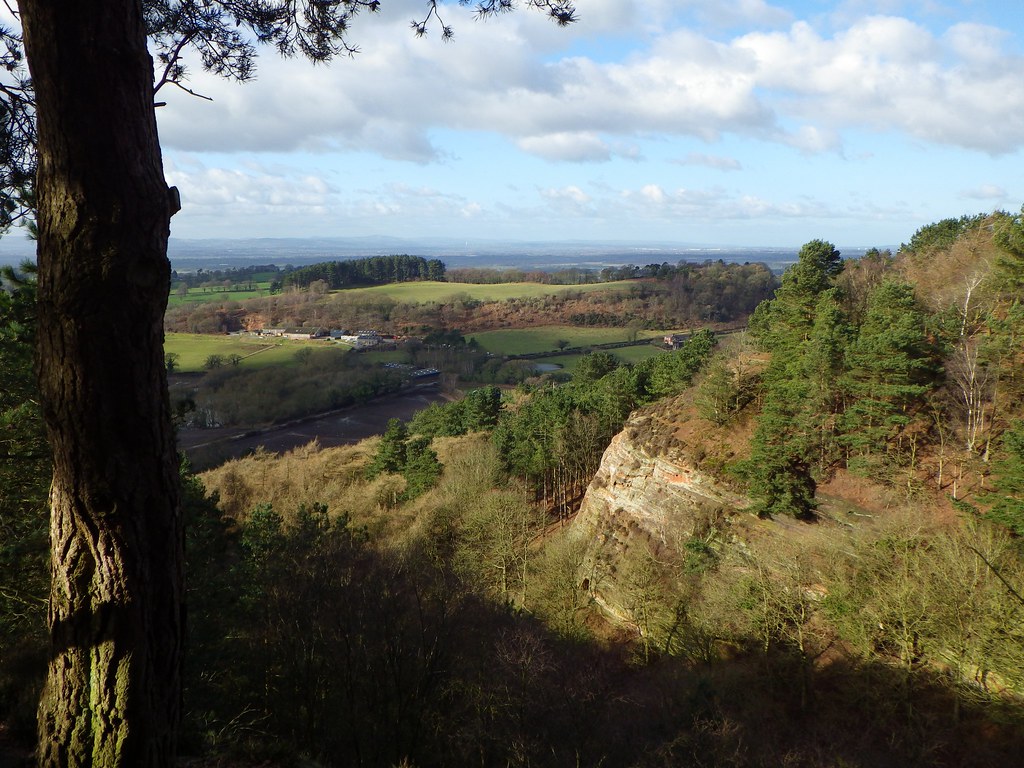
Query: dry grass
(336, 477)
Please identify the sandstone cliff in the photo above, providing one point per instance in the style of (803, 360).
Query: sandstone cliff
(651, 500)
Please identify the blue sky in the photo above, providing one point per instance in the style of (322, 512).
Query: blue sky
(677, 121)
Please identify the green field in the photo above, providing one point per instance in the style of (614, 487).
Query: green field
(192, 349)
(218, 295)
(410, 293)
(625, 354)
(424, 292)
(636, 354)
(523, 341)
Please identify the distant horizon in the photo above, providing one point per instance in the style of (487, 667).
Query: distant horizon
(455, 252)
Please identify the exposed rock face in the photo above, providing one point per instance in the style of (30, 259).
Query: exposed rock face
(646, 500)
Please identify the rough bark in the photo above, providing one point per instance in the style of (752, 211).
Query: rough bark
(112, 696)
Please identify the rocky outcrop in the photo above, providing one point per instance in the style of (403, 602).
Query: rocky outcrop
(647, 501)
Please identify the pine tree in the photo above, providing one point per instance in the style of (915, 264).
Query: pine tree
(594, 366)
(779, 468)
(671, 373)
(390, 456)
(1010, 267)
(480, 409)
(891, 367)
(787, 320)
(824, 365)
(263, 535)
(439, 420)
(1007, 501)
(421, 470)
(803, 328)
(717, 393)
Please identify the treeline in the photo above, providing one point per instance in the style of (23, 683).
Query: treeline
(906, 369)
(709, 284)
(478, 410)
(377, 270)
(943, 235)
(710, 292)
(553, 438)
(493, 276)
(715, 291)
(247, 276)
(664, 271)
(373, 270)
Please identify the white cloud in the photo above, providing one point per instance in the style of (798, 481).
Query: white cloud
(899, 92)
(885, 73)
(572, 194)
(719, 14)
(389, 98)
(811, 139)
(204, 190)
(976, 44)
(654, 202)
(891, 74)
(985, 192)
(565, 146)
(294, 202)
(711, 161)
(567, 201)
(653, 194)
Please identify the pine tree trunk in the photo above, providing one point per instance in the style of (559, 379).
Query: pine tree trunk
(112, 696)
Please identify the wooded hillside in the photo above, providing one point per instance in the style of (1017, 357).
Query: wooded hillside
(679, 295)
(424, 598)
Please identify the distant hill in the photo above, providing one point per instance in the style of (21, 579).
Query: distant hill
(187, 255)
(191, 254)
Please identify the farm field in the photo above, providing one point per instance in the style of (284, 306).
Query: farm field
(425, 291)
(192, 349)
(523, 341)
(420, 292)
(625, 354)
(636, 354)
(215, 295)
